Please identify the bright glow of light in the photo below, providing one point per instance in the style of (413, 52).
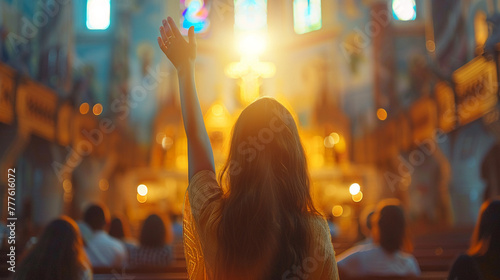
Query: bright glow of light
(337, 210)
(336, 137)
(84, 108)
(357, 197)
(306, 15)
(97, 109)
(166, 143)
(217, 110)
(141, 198)
(195, 13)
(354, 189)
(142, 190)
(250, 15)
(404, 10)
(382, 114)
(98, 14)
(329, 142)
(252, 44)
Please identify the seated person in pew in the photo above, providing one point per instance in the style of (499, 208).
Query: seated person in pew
(102, 249)
(118, 229)
(154, 248)
(384, 257)
(482, 261)
(57, 255)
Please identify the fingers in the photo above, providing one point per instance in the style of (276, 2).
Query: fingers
(163, 34)
(192, 39)
(162, 46)
(167, 29)
(174, 28)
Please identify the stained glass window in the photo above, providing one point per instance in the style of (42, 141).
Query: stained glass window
(306, 15)
(195, 13)
(98, 14)
(404, 10)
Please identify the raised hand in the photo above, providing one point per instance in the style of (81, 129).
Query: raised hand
(180, 52)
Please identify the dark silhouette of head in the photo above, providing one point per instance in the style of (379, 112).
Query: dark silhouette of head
(95, 217)
(366, 223)
(390, 226)
(154, 233)
(486, 236)
(116, 229)
(267, 205)
(57, 255)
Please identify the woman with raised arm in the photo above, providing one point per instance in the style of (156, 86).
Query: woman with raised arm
(258, 220)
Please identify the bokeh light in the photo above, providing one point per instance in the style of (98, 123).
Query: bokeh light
(141, 198)
(354, 189)
(142, 190)
(84, 108)
(103, 185)
(382, 114)
(97, 109)
(357, 197)
(337, 210)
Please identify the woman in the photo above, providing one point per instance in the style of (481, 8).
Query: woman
(482, 261)
(385, 257)
(153, 250)
(58, 255)
(119, 230)
(264, 224)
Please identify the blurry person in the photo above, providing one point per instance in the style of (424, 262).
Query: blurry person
(102, 249)
(366, 229)
(366, 226)
(384, 257)
(154, 244)
(258, 221)
(334, 228)
(482, 261)
(118, 228)
(57, 255)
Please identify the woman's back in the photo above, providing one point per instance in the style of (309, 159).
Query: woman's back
(201, 221)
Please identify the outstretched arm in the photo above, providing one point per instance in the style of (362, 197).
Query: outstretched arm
(182, 54)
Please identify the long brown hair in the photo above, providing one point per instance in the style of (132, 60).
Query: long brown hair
(264, 226)
(58, 254)
(486, 237)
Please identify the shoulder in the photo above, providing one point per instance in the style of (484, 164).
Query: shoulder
(203, 191)
(463, 268)
(357, 251)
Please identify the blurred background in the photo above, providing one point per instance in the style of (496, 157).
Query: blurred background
(393, 99)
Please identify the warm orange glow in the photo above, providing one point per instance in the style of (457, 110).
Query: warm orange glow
(67, 186)
(329, 142)
(381, 114)
(357, 197)
(336, 137)
(141, 198)
(97, 110)
(337, 210)
(84, 108)
(103, 185)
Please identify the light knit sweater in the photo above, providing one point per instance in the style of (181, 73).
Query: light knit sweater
(201, 218)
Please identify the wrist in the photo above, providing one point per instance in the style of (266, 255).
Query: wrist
(185, 68)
